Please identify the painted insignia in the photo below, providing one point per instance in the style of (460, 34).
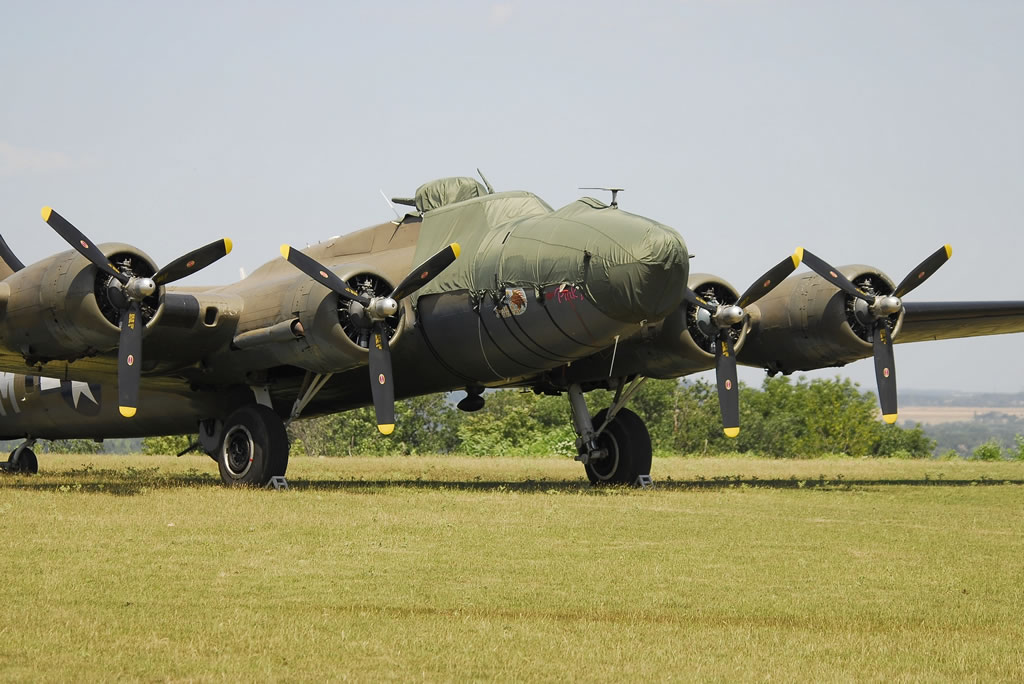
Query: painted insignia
(84, 243)
(514, 304)
(130, 360)
(190, 264)
(424, 275)
(885, 372)
(381, 379)
(728, 384)
(323, 274)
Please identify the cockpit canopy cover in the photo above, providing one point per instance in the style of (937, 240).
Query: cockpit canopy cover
(444, 191)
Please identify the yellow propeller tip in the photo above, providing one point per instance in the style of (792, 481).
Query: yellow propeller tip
(889, 418)
(45, 212)
(732, 432)
(456, 249)
(386, 429)
(227, 245)
(127, 411)
(949, 251)
(285, 250)
(798, 256)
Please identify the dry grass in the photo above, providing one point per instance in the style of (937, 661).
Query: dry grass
(444, 568)
(934, 415)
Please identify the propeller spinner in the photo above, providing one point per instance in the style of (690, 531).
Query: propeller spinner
(377, 309)
(127, 295)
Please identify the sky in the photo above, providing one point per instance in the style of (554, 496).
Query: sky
(867, 132)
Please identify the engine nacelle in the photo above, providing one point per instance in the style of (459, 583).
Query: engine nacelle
(807, 323)
(333, 335)
(59, 308)
(684, 341)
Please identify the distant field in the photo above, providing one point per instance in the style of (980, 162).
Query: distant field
(931, 415)
(457, 568)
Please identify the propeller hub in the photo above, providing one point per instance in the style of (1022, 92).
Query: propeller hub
(138, 289)
(887, 305)
(382, 307)
(728, 316)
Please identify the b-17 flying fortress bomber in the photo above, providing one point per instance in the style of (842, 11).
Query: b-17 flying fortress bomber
(472, 289)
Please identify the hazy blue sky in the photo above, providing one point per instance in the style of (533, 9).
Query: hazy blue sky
(868, 132)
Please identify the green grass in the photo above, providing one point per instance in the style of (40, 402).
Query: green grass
(455, 568)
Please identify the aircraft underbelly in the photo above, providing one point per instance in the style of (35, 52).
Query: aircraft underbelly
(517, 335)
(49, 408)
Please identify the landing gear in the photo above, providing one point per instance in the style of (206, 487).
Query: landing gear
(618, 451)
(628, 446)
(253, 448)
(23, 460)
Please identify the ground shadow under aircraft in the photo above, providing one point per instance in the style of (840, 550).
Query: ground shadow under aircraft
(118, 483)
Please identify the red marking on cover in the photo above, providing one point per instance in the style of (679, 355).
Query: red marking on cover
(380, 378)
(885, 372)
(323, 274)
(728, 384)
(424, 275)
(84, 244)
(190, 264)
(130, 360)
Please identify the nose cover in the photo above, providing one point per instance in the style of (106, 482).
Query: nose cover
(630, 267)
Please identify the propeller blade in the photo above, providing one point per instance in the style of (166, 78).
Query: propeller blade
(833, 276)
(381, 389)
(194, 261)
(773, 277)
(9, 257)
(728, 387)
(129, 359)
(885, 369)
(321, 274)
(924, 270)
(691, 297)
(427, 271)
(84, 245)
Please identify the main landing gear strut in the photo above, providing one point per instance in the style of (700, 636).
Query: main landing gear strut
(22, 459)
(618, 450)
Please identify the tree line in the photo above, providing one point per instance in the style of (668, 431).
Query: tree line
(784, 418)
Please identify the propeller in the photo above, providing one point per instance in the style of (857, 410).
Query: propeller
(876, 311)
(377, 310)
(717, 322)
(126, 292)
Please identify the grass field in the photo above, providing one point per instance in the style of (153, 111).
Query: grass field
(453, 569)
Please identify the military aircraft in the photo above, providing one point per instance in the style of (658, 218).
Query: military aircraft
(96, 342)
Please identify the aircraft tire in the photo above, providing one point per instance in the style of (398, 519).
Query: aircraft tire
(26, 462)
(629, 449)
(254, 448)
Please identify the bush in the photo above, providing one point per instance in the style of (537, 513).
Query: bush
(167, 445)
(989, 451)
(74, 446)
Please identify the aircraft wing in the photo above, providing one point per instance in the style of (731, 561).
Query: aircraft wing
(947, 320)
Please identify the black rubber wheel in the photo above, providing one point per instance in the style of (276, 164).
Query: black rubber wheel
(254, 447)
(25, 463)
(629, 449)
